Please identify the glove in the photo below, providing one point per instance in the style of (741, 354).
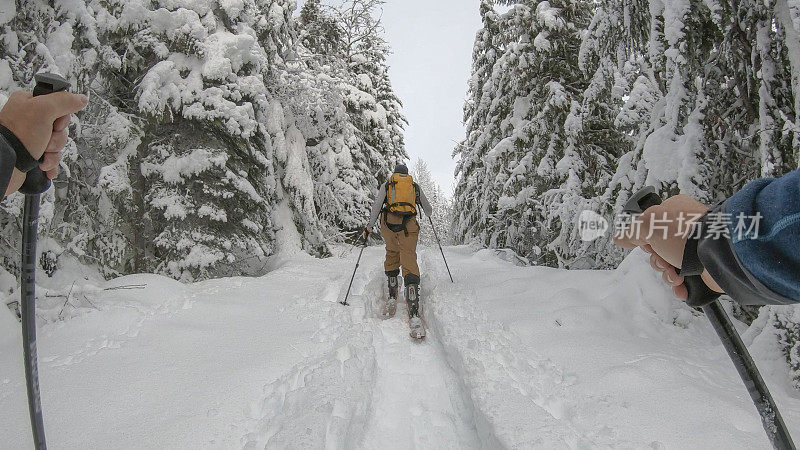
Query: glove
(365, 234)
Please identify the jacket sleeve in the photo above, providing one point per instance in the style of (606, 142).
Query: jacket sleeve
(759, 261)
(423, 200)
(8, 158)
(377, 204)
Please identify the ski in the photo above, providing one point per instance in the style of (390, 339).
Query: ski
(387, 308)
(417, 328)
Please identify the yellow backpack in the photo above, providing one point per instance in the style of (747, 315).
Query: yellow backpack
(401, 195)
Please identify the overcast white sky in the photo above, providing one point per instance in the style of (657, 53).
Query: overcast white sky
(431, 43)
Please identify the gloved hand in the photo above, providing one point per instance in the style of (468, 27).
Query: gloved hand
(365, 233)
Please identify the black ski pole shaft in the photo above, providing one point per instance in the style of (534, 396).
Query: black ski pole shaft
(35, 183)
(353, 277)
(28, 312)
(771, 418)
(701, 295)
(436, 235)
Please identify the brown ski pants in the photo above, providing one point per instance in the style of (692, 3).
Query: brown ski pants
(401, 250)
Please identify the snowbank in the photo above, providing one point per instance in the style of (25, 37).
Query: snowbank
(594, 359)
(516, 357)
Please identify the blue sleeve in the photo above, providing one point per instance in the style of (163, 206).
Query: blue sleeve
(770, 251)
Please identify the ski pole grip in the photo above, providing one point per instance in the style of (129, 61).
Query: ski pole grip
(699, 294)
(641, 200)
(36, 181)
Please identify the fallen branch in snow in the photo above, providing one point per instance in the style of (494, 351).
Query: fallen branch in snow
(127, 286)
(113, 288)
(67, 300)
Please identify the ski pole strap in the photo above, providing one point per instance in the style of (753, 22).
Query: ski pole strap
(25, 161)
(690, 263)
(699, 294)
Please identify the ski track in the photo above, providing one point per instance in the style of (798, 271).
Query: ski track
(375, 387)
(418, 401)
(464, 386)
(506, 389)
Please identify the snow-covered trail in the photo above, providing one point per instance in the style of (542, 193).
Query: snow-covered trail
(418, 401)
(377, 388)
(515, 357)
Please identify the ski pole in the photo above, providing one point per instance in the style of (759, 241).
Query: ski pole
(344, 302)
(436, 235)
(35, 183)
(700, 295)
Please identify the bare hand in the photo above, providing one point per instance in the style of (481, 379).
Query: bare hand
(662, 231)
(40, 123)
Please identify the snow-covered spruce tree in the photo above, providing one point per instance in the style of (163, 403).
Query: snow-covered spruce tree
(475, 202)
(195, 188)
(355, 133)
(441, 205)
(713, 105)
(201, 150)
(548, 145)
(714, 92)
(374, 108)
(785, 320)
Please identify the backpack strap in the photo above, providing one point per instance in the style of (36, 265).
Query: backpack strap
(405, 221)
(401, 204)
(389, 186)
(397, 227)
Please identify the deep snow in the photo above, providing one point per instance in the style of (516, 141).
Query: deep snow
(518, 357)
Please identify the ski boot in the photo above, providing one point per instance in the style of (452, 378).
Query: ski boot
(414, 319)
(391, 302)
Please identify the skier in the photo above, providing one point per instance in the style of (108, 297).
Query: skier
(396, 202)
(746, 246)
(33, 130)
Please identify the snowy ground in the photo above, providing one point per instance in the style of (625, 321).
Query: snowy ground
(516, 357)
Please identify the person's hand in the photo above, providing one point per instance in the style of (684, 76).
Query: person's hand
(662, 231)
(40, 123)
(365, 233)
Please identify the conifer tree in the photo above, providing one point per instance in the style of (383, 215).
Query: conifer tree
(440, 204)
(359, 138)
(217, 133)
(540, 125)
(471, 222)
